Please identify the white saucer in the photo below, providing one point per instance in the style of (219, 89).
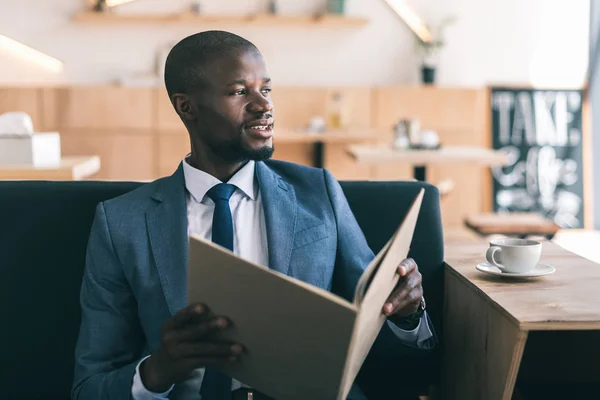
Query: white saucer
(539, 270)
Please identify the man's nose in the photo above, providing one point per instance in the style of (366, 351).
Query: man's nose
(260, 104)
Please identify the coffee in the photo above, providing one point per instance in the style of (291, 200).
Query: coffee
(514, 255)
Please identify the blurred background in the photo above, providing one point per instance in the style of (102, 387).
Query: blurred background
(491, 101)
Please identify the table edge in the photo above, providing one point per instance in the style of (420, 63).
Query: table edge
(482, 294)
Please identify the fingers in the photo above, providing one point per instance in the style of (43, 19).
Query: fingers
(187, 315)
(190, 339)
(193, 363)
(407, 267)
(408, 291)
(192, 324)
(201, 330)
(223, 351)
(409, 304)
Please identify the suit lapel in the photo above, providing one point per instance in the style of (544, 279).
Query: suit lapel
(280, 207)
(167, 230)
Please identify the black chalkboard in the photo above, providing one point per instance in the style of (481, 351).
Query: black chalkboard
(541, 130)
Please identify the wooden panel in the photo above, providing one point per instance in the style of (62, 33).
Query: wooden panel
(49, 108)
(172, 148)
(123, 155)
(443, 109)
(105, 107)
(167, 118)
(24, 100)
(295, 106)
(483, 346)
(300, 153)
(459, 118)
(487, 180)
(136, 111)
(568, 299)
(342, 166)
(356, 103)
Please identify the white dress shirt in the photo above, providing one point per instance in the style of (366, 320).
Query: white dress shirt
(249, 242)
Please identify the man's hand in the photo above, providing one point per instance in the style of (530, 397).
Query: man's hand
(189, 340)
(407, 296)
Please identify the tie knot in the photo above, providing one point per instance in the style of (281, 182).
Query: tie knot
(222, 191)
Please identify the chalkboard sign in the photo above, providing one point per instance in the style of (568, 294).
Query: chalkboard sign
(541, 130)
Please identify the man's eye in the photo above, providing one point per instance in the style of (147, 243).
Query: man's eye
(266, 90)
(240, 92)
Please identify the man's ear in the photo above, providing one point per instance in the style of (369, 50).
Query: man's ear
(183, 106)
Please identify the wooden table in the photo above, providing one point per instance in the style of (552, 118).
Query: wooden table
(420, 159)
(70, 169)
(512, 224)
(497, 331)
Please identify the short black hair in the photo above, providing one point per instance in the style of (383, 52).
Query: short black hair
(187, 60)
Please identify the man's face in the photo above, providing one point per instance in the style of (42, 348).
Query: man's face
(234, 112)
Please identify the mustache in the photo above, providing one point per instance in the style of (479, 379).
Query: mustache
(259, 117)
(266, 115)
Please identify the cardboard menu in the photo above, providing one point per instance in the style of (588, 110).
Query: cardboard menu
(302, 342)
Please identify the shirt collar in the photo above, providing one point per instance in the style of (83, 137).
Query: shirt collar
(198, 182)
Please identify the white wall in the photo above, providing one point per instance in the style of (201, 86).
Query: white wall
(509, 41)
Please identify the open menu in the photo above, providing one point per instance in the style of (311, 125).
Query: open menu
(302, 342)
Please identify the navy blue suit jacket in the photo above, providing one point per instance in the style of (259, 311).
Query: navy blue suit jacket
(135, 275)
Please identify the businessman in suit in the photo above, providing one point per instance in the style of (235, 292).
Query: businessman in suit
(138, 337)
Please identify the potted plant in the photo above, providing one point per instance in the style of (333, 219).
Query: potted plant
(429, 49)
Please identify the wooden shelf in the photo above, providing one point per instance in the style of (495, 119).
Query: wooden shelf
(296, 136)
(259, 19)
(70, 169)
(376, 155)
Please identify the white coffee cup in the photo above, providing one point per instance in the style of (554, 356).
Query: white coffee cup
(514, 255)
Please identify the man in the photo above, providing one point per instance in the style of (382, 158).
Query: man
(139, 339)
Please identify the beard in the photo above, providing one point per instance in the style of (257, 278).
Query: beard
(238, 151)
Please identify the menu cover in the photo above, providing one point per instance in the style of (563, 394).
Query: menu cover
(302, 342)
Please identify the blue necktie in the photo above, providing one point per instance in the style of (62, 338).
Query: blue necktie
(215, 385)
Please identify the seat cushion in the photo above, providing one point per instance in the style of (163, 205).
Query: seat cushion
(44, 228)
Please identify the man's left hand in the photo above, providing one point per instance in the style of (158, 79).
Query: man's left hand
(407, 296)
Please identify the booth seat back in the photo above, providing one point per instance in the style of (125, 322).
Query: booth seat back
(44, 228)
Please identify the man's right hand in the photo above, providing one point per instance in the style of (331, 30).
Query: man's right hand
(189, 340)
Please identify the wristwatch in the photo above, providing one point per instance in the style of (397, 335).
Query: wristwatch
(411, 322)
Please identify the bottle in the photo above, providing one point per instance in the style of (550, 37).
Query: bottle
(414, 132)
(335, 111)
